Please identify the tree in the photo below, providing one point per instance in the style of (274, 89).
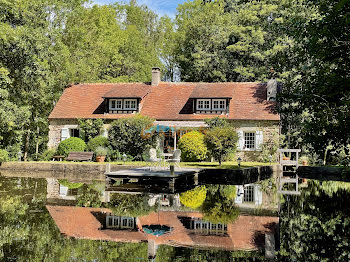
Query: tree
(315, 99)
(229, 40)
(127, 135)
(221, 141)
(219, 206)
(216, 122)
(90, 128)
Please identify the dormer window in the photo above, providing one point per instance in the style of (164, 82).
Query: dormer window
(130, 104)
(115, 104)
(212, 105)
(219, 104)
(122, 105)
(203, 104)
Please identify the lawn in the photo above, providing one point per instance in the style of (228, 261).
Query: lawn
(225, 165)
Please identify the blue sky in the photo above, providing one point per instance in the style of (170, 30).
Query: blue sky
(161, 7)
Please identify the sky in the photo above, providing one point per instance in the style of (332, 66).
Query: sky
(161, 7)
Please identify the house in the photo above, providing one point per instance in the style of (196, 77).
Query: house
(179, 107)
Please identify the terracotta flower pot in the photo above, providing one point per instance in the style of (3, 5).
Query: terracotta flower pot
(286, 158)
(304, 162)
(100, 158)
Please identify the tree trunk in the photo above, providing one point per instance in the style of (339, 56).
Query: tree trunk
(37, 144)
(26, 146)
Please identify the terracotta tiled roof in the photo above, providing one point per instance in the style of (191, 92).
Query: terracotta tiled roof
(128, 90)
(212, 90)
(167, 101)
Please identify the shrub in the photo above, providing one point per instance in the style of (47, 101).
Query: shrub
(130, 205)
(216, 122)
(90, 128)
(88, 197)
(70, 185)
(126, 135)
(194, 198)
(4, 156)
(219, 205)
(99, 141)
(72, 144)
(221, 141)
(192, 147)
(101, 151)
(47, 155)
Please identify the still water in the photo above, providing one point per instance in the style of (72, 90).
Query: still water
(44, 218)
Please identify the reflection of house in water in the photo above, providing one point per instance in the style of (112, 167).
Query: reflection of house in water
(188, 228)
(59, 193)
(249, 194)
(165, 201)
(252, 196)
(200, 226)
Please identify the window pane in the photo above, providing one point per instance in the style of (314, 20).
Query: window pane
(249, 140)
(249, 194)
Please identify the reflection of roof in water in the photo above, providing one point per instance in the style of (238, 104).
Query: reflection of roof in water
(246, 233)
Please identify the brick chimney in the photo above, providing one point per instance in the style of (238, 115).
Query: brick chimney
(155, 76)
(271, 89)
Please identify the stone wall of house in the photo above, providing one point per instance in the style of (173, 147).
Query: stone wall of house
(57, 125)
(55, 128)
(271, 132)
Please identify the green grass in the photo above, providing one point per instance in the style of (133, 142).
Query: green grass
(225, 165)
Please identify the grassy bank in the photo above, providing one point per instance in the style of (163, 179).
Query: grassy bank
(225, 165)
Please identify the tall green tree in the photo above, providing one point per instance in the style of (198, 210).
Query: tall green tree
(315, 102)
(232, 40)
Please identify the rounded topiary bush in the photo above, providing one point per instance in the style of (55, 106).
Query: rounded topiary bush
(194, 198)
(99, 141)
(72, 144)
(4, 156)
(192, 147)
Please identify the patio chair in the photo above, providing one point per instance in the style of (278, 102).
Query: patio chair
(176, 158)
(153, 160)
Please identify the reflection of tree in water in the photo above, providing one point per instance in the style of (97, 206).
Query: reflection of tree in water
(219, 205)
(132, 205)
(316, 226)
(89, 195)
(180, 254)
(28, 233)
(194, 198)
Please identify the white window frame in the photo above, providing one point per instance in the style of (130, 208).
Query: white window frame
(130, 100)
(203, 100)
(219, 100)
(244, 141)
(115, 108)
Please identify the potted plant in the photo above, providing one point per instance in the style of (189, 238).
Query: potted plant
(101, 153)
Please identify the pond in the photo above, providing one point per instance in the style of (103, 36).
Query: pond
(44, 218)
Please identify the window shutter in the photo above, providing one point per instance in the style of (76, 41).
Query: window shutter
(257, 195)
(240, 140)
(105, 132)
(240, 194)
(63, 190)
(258, 140)
(64, 134)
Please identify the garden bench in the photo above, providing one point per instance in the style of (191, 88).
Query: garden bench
(80, 156)
(57, 158)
